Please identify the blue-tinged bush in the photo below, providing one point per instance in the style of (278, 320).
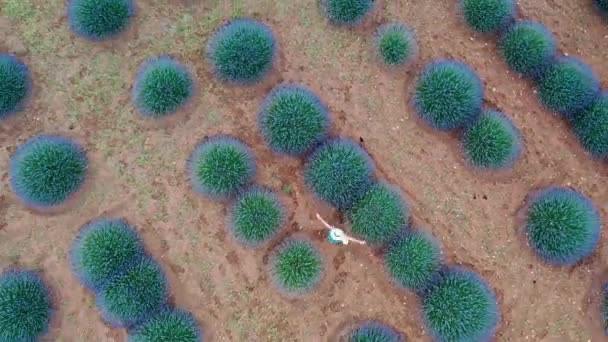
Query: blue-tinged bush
(134, 294)
(243, 51)
(46, 170)
(347, 12)
(568, 86)
(395, 44)
(162, 86)
(25, 306)
(591, 127)
(492, 141)
(339, 172)
(448, 95)
(99, 20)
(413, 261)
(460, 307)
(296, 267)
(170, 325)
(293, 120)
(602, 5)
(528, 48)
(15, 85)
(256, 216)
(562, 225)
(488, 15)
(221, 166)
(372, 331)
(379, 215)
(101, 248)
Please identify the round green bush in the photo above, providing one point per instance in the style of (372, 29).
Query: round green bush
(460, 307)
(243, 51)
(413, 261)
(134, 294)
(98, 20)
(25, 306)
(170, 325)
(448, 95)
(101, 248)
(372, 331)
(488, 15)
(47, 170)
(562, 225)
(339, 172)
(492, 141)
(296, 267)
(568, 87)
(221, 166)
(528, 48)
(347, 12)
(15, 85)
(162, 86)
(256, 216)
(293, 120)
(602, 5)
(591, 127)
(395, 44)
(379, 215)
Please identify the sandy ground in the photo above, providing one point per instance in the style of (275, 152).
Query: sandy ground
(82, 89)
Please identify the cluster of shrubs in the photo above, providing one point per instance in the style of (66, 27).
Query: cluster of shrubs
(449, 97)
(131, 289)
(26, 306)
(294, 121)
(566, 85)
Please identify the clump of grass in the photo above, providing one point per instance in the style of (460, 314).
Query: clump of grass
(379, 215)
(568, 86)
(25, 306)
(347, 12)
(488, 15)
(243, 51)
(162, 86)
(460, 306)
(221, 166)
(373, 331)
(46, 170)
(395, 44)
(339, 172)
(169, 325)
(15, 85)
(101, 248)
(591, 127)
(293, 120)
(413, 261)
(528, 48)
(448, 95)
(99, 20)
(296, 267)
(256, 216)
(135, 293)
(562, 225)
(492, 141)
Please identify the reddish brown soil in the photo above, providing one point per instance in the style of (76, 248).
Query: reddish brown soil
(138, 169)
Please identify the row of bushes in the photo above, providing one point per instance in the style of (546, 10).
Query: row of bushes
(131, 289)
(449, 97)
(566, 85)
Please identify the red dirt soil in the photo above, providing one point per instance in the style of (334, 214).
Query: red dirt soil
(138, 169)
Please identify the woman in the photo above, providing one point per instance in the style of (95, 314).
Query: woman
(337, 235)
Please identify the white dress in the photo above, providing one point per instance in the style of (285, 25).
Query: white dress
(337, 234)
